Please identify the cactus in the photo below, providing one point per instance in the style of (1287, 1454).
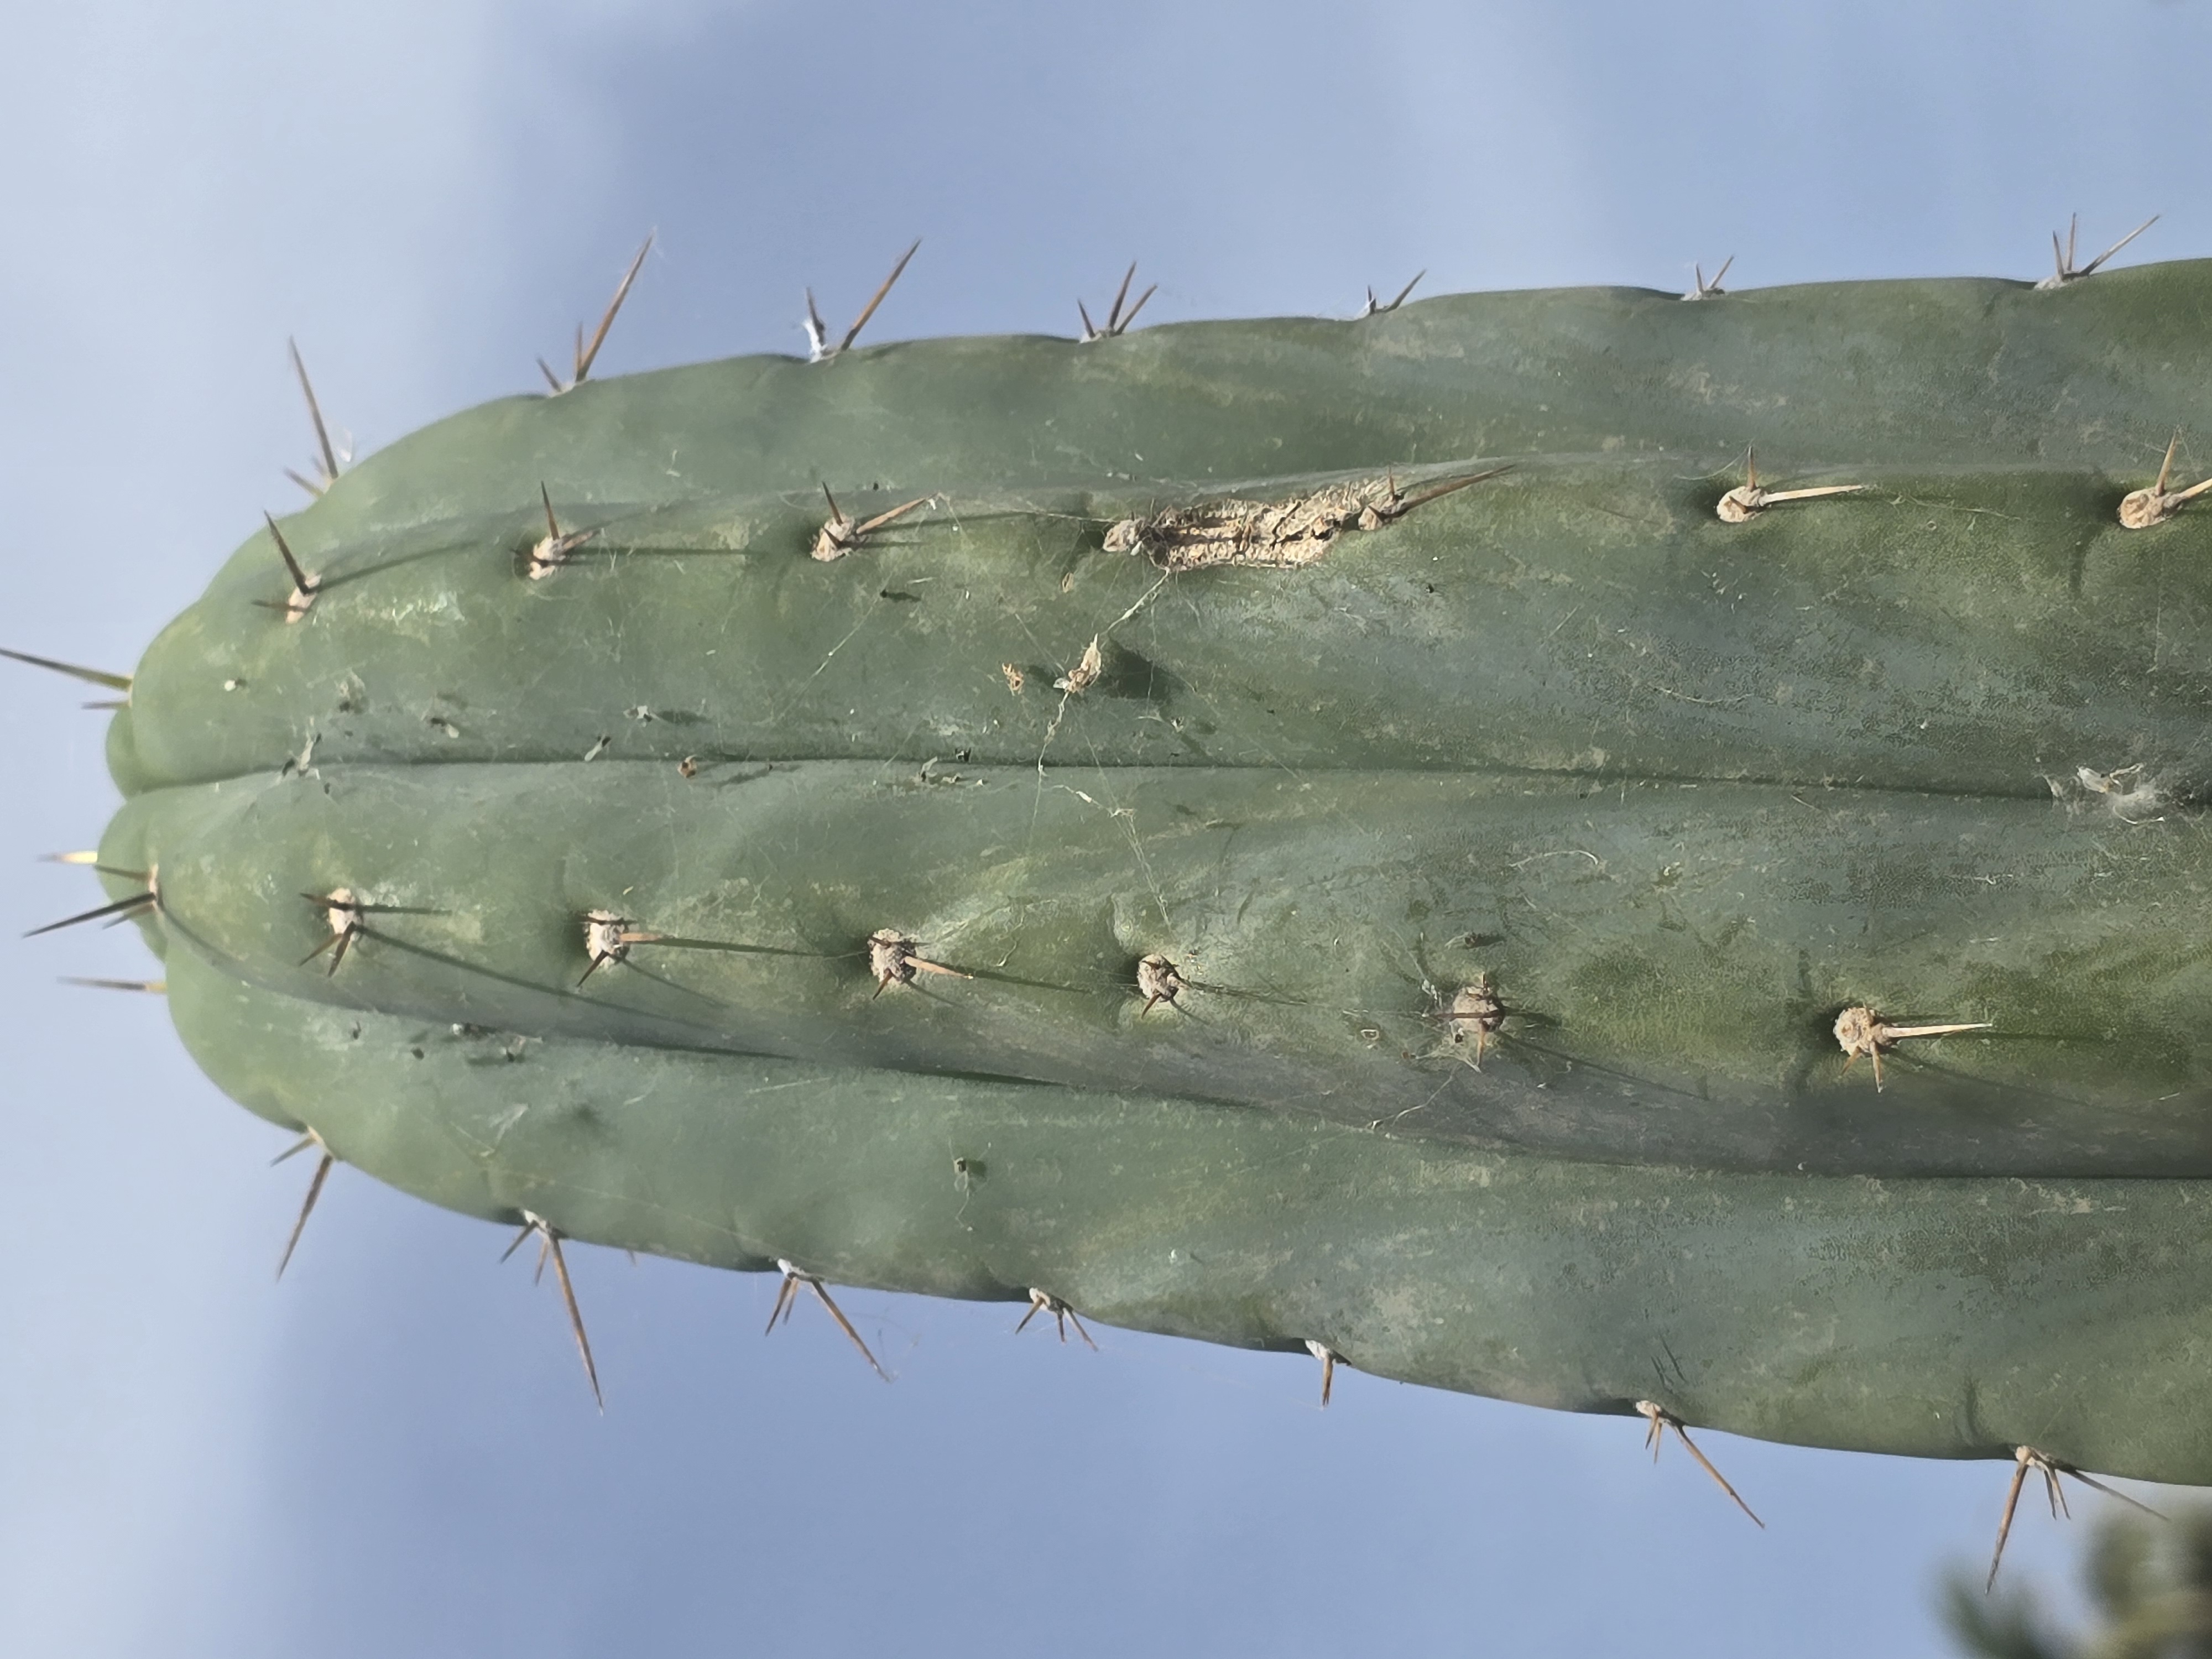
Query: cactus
(1400, 841)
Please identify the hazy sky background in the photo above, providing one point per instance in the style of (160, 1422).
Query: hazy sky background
(394, 1452)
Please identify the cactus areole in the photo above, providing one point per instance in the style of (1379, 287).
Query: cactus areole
(1407, 840)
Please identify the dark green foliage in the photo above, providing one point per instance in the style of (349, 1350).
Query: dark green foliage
(2149, 1583)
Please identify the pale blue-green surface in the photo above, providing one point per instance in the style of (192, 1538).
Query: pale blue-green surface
(393, 1450)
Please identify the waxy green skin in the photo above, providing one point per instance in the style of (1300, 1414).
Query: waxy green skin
(1686, 789)
(1675, 957)
(1939, 1318)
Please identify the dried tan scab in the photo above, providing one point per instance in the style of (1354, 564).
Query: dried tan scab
(1662, 1419)
(787, 1296)
(893, 961)
(551, 550)
(1860, 1030)
(342, 912)
(819, 349)
(688, 768)
(1327, 1356)
(608, 939)
(304, 586)
(1117, 321)
(1015, 678)
(587, 354)
(2025, 1458)
(1158, 981)
(841, 535)
(1085, 675)
(1712, 290)
(2141, 508)
(1271, 535)
(1063, 1315)
(1748, 500)
(1476, 1012)
(549, 1244)
(2066, 270)
(2132, 795)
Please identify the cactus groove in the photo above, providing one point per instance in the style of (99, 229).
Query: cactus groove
(1385, 840)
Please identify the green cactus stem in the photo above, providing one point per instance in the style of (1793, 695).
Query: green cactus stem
(1400, 840)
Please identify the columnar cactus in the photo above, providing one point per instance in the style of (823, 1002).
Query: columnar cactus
(1386, 839)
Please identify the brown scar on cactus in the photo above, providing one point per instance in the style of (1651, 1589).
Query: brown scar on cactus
(787, 1296)
(117, 911)
(1014, 678)
(549, 1243)
(1117, 321)
(551, 550)
(2063, 257)
(1063, 1315)
(1748, 499)
(1712, 290)
(2141, 508)
(1281, 535)
(1158, 981)
(893, 960)
(304, 586)
(842, 535)
(1328, 1356)
(1860, 1030)
(1374, 308)
(314, 1190)
(608, 939)
(818, 348)
(586, 354)
(2025, 1458)
(1085, 675)
(1475, 1011)
(1662, 1419)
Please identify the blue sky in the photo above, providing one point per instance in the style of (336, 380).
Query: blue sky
(394, 1451)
